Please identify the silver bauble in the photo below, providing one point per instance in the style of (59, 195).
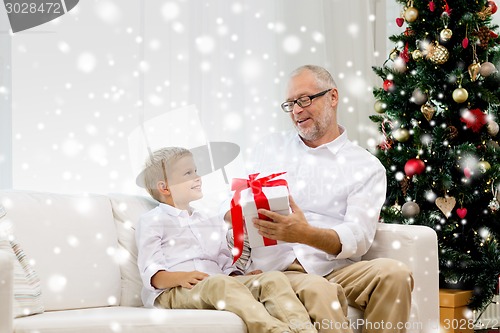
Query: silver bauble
(410, 209)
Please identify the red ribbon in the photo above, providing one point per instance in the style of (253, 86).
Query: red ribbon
(240, 184)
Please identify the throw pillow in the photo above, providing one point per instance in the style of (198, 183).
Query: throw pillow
(27, 290)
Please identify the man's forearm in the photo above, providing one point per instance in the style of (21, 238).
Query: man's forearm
(323, 239)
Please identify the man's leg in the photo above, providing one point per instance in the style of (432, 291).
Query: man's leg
(325, 301)
(382, 288)
(222, 292)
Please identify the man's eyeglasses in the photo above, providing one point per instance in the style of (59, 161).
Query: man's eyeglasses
(303, 101)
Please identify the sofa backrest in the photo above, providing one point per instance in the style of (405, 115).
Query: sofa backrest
(72, 242)
(127, 210)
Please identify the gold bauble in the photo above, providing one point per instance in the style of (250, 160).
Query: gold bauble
(379, 106)
(487, 68)
(438, 54)
(460, 95)
(417, 55)
(474, 70)
(483, 166)
(492, 128)
(394, 54)
(411, 14)
(445, 34)
(401, 135)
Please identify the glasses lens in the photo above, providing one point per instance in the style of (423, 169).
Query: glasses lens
(304, 101)
(287, 106)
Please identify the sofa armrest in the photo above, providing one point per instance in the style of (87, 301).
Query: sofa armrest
(417, 247)
(6, 291)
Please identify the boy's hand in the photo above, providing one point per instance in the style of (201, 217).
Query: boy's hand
(255, 272)
(190, 279)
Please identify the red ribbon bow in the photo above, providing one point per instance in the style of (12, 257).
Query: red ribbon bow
(240, 184)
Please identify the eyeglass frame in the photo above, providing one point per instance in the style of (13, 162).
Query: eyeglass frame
(296, 101)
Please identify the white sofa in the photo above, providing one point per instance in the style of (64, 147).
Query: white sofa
(82, 248)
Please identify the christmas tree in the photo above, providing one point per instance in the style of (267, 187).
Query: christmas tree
(438, 114)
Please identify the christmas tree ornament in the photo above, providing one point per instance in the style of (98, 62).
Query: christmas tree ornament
(400, 65)
(451, 132)
(494, 204)
(445, 34)
(467, 173)
(432, 6)
(474, 70)
(400, 21)
(394, 54)
(417, 55)
(483, 33)
(487, 68)
(460, 95)
(446, 205)
(461, 212)
(411, 13)
(401, 134)
(414, 166)
(474, 119)
(410, 209)
(492, 6)
(428, 110)
(492, 128)
(437, 53)
(388, 85)
(396, 208)
(379, 106)
(465, 42)
(418, 97)
(483, 166)
(405, 185)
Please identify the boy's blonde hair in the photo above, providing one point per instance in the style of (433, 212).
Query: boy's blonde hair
(157, 165)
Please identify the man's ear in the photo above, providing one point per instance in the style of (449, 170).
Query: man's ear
(335, 97)
(162, 187)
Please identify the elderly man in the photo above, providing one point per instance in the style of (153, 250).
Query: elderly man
(337, 190)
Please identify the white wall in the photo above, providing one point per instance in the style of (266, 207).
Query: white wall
(5, 103)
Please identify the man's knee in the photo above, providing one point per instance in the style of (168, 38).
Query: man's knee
(393, 271)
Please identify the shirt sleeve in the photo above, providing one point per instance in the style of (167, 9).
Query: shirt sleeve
(364, 203)
(150, 258)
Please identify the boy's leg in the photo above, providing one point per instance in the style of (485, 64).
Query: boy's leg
(274, 291)
(382, 288)
(222, 292)
(325, 301)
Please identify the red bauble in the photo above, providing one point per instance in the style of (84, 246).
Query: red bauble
(388, 85)
(493, 6)
(465, 42)
(414, 166)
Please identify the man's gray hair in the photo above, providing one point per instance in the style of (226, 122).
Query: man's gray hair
(323, 78)
(156, 166)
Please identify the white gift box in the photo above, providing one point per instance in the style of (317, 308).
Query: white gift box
(277, 196)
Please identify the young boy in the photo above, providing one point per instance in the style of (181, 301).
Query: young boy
(184, 260)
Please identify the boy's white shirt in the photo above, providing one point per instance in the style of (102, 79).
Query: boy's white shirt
(170, 239)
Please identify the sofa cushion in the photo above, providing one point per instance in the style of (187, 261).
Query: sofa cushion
(27, 291)
(71, 240)
(129, 319)
(127, 210)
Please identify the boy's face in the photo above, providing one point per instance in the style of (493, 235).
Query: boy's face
(183, 182)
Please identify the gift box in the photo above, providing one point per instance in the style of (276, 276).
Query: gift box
(453, 311)
(277, 199)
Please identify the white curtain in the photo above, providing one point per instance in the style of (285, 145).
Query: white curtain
(83, 83)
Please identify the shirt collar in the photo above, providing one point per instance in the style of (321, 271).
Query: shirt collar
(333, 146)
(174, 211)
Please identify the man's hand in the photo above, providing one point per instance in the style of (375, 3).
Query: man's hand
(294, 228)
(288, 228)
